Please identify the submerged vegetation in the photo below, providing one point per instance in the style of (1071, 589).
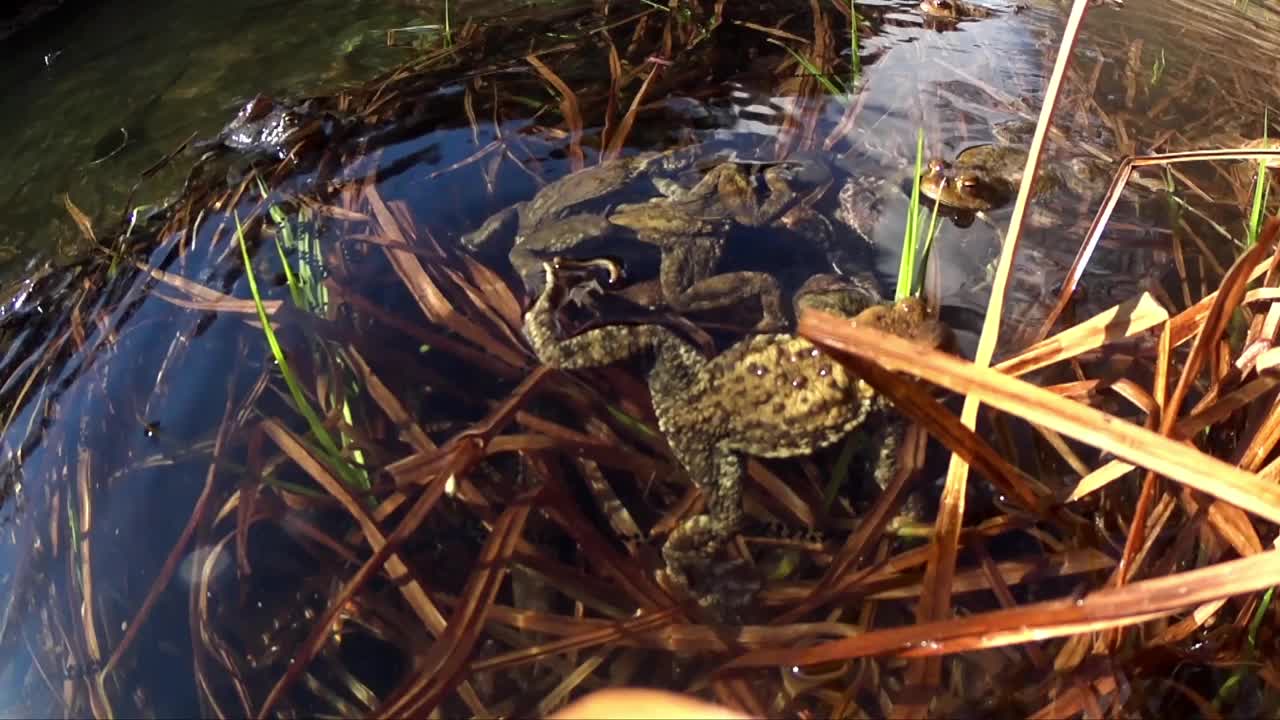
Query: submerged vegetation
(287, 432)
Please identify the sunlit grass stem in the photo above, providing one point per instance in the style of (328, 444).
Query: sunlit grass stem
(855, 51)
(1261, 189)
(915, 252)
(314, 423)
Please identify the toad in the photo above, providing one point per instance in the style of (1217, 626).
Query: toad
(266, 126)
(689, 226)
(952, 10)
(980, 178)
(770, 395)
(959, 191)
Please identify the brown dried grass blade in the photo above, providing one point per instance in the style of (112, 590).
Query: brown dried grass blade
(217, 302)
(568, 108)
(1113, 197)
(1107, 608)
(413, 467)
(447, 659)
(936, 602)
(614, 149)
(226, 305)
(510, 332)
(600, 552)
(82, 221)
(1121, 321)
(1010, 572)
(434, 338)
(433, 302)
(1187, 427)
(611, 103)
(1127, 441)
(399, 572)
(583, 633)
(383, 555)
(496, 293)
(395, 410)
(179, 549)
(1225, 303)
(1092, 238)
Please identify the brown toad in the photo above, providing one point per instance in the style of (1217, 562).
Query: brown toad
(771, 395)
(268, 126)
(689, 226)
(952, 10)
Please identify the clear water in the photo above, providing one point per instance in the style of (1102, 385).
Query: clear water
(166, 72)
(161, 72)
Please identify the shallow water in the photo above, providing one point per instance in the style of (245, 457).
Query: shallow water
(173, 374)
(142, 81)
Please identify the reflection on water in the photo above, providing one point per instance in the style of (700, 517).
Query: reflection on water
(136, 390)
(142, 80)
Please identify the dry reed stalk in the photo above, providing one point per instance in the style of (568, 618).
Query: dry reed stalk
(936, 602)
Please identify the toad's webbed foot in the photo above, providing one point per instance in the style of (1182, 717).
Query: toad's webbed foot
(722, 587)
(594, 348)
(725, 590)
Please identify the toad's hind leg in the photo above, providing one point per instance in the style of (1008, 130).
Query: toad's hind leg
(693, 546)
(887, 441)
(731, 288)
(689, 285)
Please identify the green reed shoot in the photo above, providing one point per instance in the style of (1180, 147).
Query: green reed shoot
(448, 28)
(1230, 688)
(917, 283)
(1157, 69)
(310, 294)
(911, 234)
(840, 472)
(328, 448)
(305, 288)
(915, 251)
(1261, 189)
(855, 53)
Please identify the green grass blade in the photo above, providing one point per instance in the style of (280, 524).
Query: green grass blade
(318, 430)
(917, 282)
(855, 51)
(911, 235)
(448, 28)
(1259, 202)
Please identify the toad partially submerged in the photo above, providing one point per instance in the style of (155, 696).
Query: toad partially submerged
(268, 126)
(770, 395)
(689, 225)
(952, 10)
(959, 191)
(981, 178)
